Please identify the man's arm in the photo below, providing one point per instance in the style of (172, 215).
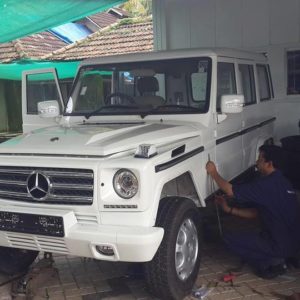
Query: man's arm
(224, 185)
(246, 213)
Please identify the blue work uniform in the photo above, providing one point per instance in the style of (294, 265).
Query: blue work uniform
(278, 210)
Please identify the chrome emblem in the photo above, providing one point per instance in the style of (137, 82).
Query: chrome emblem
(38, 185)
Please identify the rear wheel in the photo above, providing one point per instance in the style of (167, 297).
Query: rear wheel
(13, 261)
(172, 272)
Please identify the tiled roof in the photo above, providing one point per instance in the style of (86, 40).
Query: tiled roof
(8, 52)
(33, 46)
(104, 19)
(129, 38)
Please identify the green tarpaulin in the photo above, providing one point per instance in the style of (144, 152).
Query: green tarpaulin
(24, 17)
(14, 70)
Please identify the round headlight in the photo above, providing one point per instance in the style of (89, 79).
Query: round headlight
(125, 183)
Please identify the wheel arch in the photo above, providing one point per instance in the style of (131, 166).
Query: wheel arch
(182, 186)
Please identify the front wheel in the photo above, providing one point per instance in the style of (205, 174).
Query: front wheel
(172, 272)
(14, 261)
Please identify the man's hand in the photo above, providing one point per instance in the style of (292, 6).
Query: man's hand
(224, 185)
(220, 200)
(211, 168)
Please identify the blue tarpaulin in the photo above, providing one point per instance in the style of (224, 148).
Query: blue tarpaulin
(71, 32)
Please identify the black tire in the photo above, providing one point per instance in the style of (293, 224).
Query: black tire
(15, 261)
(162, 278)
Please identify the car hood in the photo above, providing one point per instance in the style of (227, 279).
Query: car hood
(96, 139)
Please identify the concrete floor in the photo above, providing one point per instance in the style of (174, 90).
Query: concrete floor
(75, 278)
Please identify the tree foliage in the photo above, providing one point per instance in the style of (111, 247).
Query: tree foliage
(138, 8)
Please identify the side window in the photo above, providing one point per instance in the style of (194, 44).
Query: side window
(200, 84)
(40, 87)
(226, 81)
(293, 72)
(263, 82)
(248, 84)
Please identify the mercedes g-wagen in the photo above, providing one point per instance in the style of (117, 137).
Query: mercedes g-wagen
(117, 173)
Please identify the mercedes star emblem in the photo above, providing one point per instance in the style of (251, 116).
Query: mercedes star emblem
(38, 185)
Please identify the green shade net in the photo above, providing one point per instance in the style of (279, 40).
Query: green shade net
(24, 17)
(14, 70)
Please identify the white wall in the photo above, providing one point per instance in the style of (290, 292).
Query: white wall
(271, 26)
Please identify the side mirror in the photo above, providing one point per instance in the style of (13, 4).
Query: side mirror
(48, 109)
(232, 104)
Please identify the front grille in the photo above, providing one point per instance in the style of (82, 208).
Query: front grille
(86, 219)
(66, 186)
(35, 242)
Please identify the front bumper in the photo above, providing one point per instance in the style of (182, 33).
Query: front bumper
(130, 243)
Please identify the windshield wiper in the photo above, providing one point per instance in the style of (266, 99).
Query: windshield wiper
(87, 116)
(160, 107)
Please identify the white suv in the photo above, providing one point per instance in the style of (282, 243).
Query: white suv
(119, 173)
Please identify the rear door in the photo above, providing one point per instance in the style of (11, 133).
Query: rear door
(38, 86)
(250, 116)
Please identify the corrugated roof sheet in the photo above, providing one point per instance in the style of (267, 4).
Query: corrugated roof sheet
(137, 37)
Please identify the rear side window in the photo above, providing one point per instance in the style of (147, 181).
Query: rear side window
(293, 72)
(263, 82)
(248, 84)
(226, 81)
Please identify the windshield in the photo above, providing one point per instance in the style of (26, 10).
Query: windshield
(175, 86)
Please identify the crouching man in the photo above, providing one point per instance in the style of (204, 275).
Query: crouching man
(273, 200)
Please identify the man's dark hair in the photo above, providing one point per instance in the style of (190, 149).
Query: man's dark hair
(274, 154)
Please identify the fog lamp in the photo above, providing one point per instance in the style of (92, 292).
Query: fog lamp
(105, 250)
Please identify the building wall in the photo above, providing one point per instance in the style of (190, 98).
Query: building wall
(271, 26)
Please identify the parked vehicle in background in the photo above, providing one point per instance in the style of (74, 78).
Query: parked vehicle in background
(118, 174)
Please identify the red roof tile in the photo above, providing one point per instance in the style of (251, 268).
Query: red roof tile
(137, 37)
(33, 46)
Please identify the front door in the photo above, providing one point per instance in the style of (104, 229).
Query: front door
(38, 86)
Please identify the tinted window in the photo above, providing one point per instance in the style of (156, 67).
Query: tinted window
(226, 81)
(293, 72)
(248, 84)
(263, 82)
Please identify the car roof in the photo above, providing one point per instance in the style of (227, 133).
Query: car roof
(174, 54)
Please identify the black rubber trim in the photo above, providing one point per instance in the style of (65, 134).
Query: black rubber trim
(267, 122)
(227, 138)
(178, 160)
(244, 131)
